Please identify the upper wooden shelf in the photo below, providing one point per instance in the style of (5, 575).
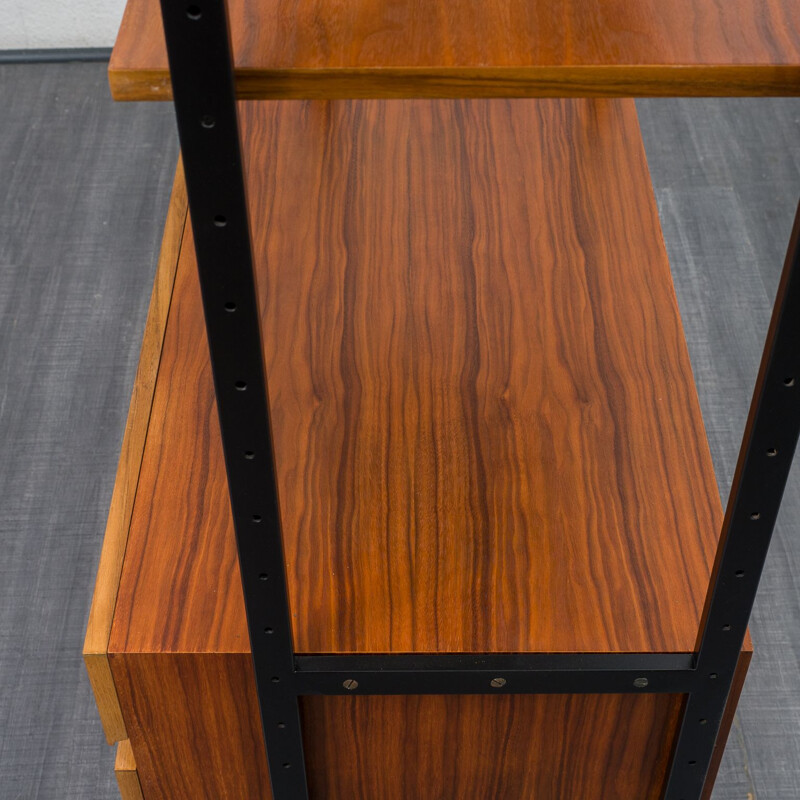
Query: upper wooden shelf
(482, 48)
(487, 436)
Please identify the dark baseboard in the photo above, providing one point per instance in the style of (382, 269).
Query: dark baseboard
(51, 55)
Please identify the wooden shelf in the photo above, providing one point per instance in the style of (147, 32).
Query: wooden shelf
(487, 440)
(480, 48)
(487, 433)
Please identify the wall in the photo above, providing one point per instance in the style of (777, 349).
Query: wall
(59, 23)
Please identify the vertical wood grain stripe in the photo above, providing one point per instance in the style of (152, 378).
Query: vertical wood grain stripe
(109, 570)
(125, 770)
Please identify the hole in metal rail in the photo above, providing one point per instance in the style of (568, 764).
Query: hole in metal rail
(739, 573)
(194, 12)
(772, 452)
(755, 515)
(256, 517)
(703, 722)
(275, 679)
(692, 763)
(263, 576)
(230, 306)
(788, 381)
(220, 221)
(286, 765)
(726, 627)
(241, 385)
(207, 121)
(268, 630)
(281, 725)
(249, 455)
(713, 676)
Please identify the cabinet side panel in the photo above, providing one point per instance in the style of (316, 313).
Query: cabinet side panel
(115, 540)
(511, 747)
(193, 724)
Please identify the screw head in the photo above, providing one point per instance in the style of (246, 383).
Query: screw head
(640, 683)
(350, 684)
(497, 683)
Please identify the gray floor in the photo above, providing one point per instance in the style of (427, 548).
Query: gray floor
(83, 189)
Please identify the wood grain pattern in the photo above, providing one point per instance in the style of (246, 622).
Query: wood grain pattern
(487, 433)
(194, 725)
(104, 599)
(463, 48)
(126, 774)
(524, 747)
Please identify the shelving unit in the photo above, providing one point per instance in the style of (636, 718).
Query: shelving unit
(475, 510)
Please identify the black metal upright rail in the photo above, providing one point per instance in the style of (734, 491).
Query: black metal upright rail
(765, 458)
(199, 50)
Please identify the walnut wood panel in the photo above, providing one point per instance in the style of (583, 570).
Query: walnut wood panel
(194, 725)
(487, 433)
(524, 747)
(462, 48)
(101, 613)
(125, 771)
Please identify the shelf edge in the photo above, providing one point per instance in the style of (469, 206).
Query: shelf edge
(638, 80)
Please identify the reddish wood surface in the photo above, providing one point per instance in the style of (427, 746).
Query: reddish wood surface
(524, 747)
(462, 48)
(194, 725)
(487, 433)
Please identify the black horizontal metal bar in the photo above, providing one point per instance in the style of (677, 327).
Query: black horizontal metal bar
(535, 673)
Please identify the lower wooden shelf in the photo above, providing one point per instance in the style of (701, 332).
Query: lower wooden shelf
(487, 440)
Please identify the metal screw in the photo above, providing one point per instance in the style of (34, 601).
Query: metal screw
(350, 684)
(497, 683)
(640, 683)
